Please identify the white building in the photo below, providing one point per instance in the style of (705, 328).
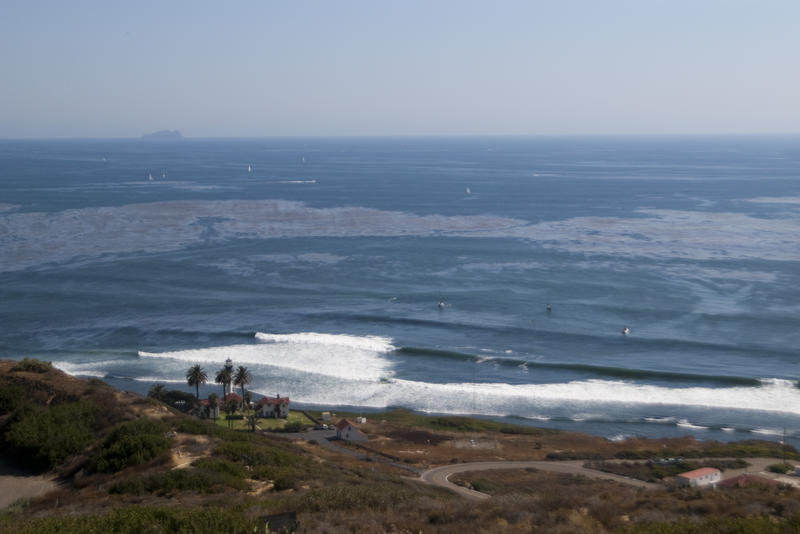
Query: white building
(273, 407)
(347, 431)
(705, 476)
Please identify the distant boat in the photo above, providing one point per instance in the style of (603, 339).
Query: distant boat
(548, 308)
(468, 191)
(626, 331)
(163, 174)
(304, 159)
(442, 304)
(249, 168)
(150, 177)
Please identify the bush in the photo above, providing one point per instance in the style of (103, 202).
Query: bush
(130, 444)
(43, 437)
(782, 468)
(292, 426)
(380, 496)
(192, 479)
(11, 397)
(220, 465)
(150, 520)
(32, 365)
(483, 485)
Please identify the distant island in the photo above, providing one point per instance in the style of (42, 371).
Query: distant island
(163, 135)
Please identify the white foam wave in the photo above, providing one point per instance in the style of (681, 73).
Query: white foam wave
(93, 369)
(620, 437)
(158, 379)
(661, 420)
(342, 356)
(528, 400)
(683, 423)
(728, 429)
(369, 343)
(775, 200)
(767, 431)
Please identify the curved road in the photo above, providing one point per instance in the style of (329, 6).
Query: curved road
(439, 476)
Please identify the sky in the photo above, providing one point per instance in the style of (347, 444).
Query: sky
(433, 67)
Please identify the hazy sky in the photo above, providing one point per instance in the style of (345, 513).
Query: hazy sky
(336, 67)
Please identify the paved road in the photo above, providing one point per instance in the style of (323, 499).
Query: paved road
(439, 476)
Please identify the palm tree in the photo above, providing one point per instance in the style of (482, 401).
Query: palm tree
(229, 407)
(242, 377)
(213, 405)
(196, 376)
(223, 377)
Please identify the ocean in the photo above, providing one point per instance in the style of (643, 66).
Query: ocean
(479, 276)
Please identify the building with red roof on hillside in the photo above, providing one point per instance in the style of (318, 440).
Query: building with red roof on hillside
(273, 407)
(705, 476)
(347, 431)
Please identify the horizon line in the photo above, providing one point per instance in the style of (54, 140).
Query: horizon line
(407, 136)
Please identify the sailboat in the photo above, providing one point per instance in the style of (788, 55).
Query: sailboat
(468, 191)
(249, 168)
(150, 177)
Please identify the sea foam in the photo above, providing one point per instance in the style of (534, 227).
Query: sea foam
(341, 356)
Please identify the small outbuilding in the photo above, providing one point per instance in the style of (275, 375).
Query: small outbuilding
(705, 476)
(273, 407)
(347, 431)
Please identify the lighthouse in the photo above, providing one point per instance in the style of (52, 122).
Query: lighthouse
(229, 384)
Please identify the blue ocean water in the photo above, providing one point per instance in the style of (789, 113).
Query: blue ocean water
(320, 264)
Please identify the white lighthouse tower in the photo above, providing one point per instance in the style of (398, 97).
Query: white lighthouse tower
(229, 384)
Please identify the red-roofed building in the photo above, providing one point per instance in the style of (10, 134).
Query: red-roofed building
(273, 407)
(347, 431)
(704, 476)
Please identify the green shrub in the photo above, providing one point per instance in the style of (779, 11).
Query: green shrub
(258, 454)
(11, 397)
(293, 426)
(483, 485)
(380, 496)
(43, 437)
(149, 520)
(131, 443)
(32, 365)
(220, 465)
(192, 479)
(782, 468)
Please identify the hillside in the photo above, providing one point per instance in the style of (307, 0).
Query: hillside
(125, 463)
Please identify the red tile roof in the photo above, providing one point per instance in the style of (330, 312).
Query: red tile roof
(234, 396)
(273, 400)
(703, 471)
(343, 424)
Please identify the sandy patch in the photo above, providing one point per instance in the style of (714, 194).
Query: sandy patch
(15, 485)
